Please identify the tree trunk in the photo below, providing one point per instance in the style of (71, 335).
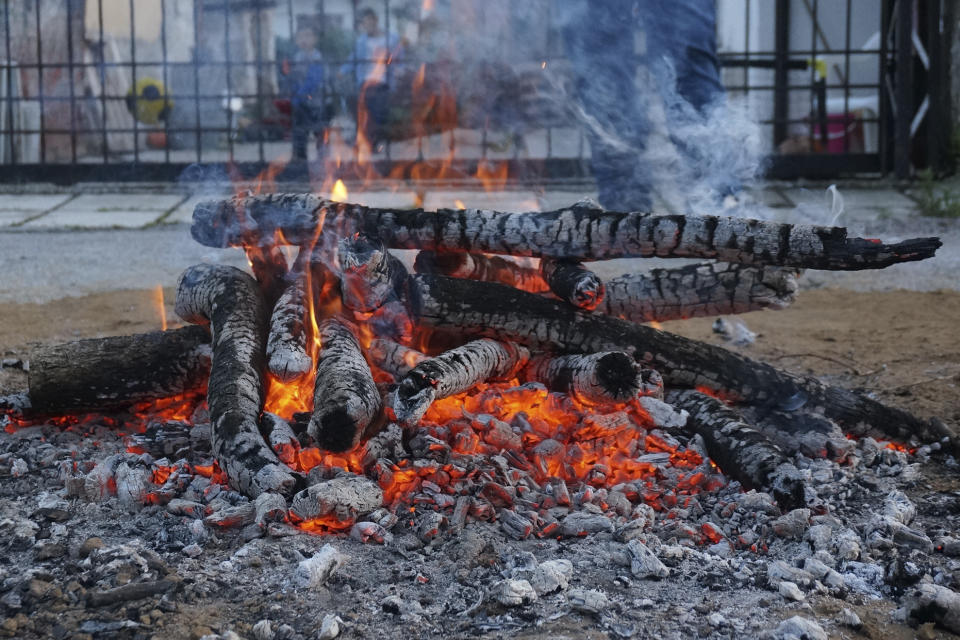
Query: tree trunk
(103, 373)
(484, 309)
(697, 290)
(740, 450)
(579, 232)
(231, 302)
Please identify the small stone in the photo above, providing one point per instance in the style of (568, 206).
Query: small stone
(330, 627)
(643, 563)
(90, 545)
(716, 620)
(582, 523)
(316, 570)
(19, 468)
(791, 591)
(552, 575)
(849, 618)
(797, 628)
(514, 593)
(588, 601)
(192, 550)
(792, 524)
(263, 631)
(934, 603)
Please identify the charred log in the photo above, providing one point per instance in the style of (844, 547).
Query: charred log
(698, 290)
(394, 358)
(370, 275)
(740, 450)
(452, 372)
(571, 281)
(478, 266)
(346, 399)
(269, 267)
(484, 309)
(104, 373)
(598, 378)
(230, 301)
(281, 436)
(580, 232)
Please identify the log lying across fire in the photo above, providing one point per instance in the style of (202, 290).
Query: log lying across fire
(379, 349)
(580, 232)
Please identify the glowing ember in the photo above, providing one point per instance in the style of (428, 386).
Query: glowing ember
(161, 310)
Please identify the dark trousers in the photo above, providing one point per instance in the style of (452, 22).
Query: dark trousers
(681, 55)
(307, 119)
(373, 110)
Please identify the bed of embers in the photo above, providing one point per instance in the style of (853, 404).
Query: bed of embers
(485, 398)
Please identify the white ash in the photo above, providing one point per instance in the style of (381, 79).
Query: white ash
(798, 628)
(317, 569)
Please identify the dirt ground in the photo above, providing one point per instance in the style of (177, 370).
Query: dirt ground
(904, 346)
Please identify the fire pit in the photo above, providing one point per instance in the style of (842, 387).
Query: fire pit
(504, 391)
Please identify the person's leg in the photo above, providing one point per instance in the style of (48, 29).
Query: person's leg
(599, 38)
(300, 131)
(682, 54)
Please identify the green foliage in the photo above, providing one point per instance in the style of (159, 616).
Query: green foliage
(936, 199)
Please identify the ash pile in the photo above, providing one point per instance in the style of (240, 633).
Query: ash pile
(486, 447)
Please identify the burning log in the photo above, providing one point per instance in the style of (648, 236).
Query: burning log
(288, 357)
(478, 266)
(119, 371)
(740, 450)
(452, 372)
(346, 399)
(698, 290)
(570, 281)
(370, 275)
(269, 267)
(580, 232)
(491, 310)
(606, 377)
(230, 301)
(393, 357)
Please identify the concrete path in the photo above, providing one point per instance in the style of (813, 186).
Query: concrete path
(56, 245)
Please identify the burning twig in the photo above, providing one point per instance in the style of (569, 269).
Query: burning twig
(698, 290)
(230, 301)
(394, 358)
(478, 266)
(101, 373)
(606, 377)
(491, 310)
(740, 450)
(580, 232)
(452, 372)
(346, 399)
(570, 281)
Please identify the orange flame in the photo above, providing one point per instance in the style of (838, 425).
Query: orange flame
(158, 300)
(339, 192)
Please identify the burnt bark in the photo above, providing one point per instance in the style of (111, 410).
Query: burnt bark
(393, 357)
(579, 232)
(597, 378)
(698, 290)
(103, 373)
(740, 450)
(370, 276)
(346, 399)
(478, 266)
(231, 302)
(269, 267)
(571, 281)
(452, 372)
(474, 308)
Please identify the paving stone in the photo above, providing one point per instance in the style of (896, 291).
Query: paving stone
(122, 202)
(16, 208)
(129, 219)
(499, 200)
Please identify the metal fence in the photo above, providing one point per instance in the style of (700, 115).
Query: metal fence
(165, 89)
